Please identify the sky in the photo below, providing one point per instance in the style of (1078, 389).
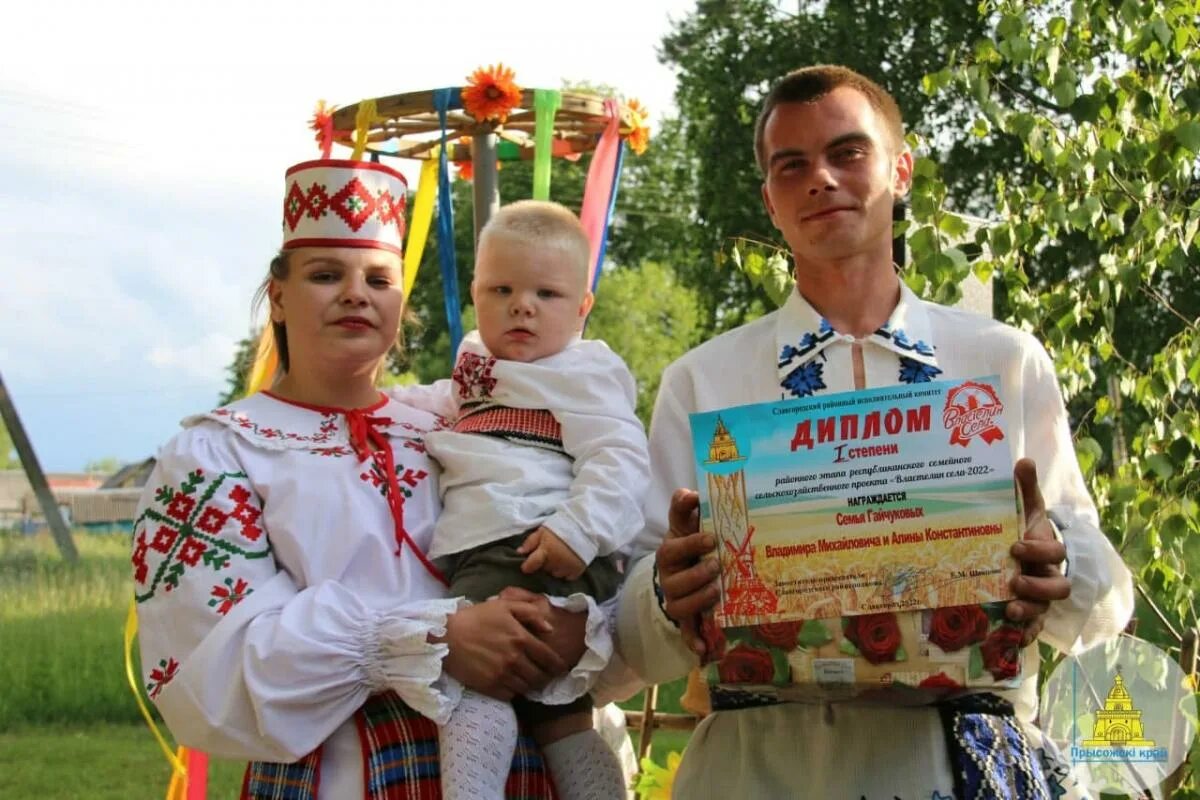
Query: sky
(142, 153)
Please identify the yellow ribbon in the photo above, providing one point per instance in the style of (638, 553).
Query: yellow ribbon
(422, 216)
(179, 771)
(362, 122)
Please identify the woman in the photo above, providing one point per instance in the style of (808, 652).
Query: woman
(288, 614)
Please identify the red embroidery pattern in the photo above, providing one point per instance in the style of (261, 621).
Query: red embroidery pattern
(328, 428)
(407, 479)
(353, 202)
(226, 597)
(473, 374)
(161, 675)
(194, 529)
(533, 426)
(325, 432)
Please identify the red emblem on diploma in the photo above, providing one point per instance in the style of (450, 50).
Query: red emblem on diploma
(745, 593)
(971, 410)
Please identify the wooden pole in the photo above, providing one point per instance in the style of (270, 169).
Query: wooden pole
(646, 729)
(486, 186)
(37, 479)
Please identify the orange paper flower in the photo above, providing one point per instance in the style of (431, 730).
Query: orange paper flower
(491, 93)
(638, 134)
(466, 170)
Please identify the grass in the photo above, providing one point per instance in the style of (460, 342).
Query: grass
(61, 632)
(67, 717)
(113, 762)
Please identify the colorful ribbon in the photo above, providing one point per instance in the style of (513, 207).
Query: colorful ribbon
(612, 203)
(545, 105)
(443, 101)
(422, 215)
(362, 123)
(601, 186)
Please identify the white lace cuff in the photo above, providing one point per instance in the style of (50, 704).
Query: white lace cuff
(399, 656)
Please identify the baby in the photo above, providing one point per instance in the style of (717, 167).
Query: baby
(544, 471)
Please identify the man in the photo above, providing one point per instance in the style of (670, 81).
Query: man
(830, 145)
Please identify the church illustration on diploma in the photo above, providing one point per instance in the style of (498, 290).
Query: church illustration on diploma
(744, 593)
(1118, 724)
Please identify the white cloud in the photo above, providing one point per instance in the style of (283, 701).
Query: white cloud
(200, 360)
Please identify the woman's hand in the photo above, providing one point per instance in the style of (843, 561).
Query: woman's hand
(495, 649)
(568, 628)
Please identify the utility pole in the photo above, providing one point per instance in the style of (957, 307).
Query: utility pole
(37, 478)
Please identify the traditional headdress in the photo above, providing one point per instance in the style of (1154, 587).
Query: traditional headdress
(341, 203)
(334, 203)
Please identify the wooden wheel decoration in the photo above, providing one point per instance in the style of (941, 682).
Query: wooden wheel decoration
(406, 126)
(476, 126)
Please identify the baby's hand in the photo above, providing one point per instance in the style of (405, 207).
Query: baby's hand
(548, 553)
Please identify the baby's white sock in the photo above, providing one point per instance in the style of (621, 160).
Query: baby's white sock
(476, 748)
(585, 768)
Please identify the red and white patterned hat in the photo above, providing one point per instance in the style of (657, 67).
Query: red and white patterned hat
(341, 203)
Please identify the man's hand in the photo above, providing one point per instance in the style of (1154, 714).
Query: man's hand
(688, 582)
(550, 554)
(1039, 554)
(495, 647)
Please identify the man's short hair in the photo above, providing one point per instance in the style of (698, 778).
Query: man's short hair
(541, 223)
(809, 84)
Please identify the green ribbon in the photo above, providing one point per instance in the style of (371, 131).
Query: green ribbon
(545, 104)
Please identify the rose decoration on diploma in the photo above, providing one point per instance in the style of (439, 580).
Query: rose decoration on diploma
(956, 627)
(713, 637)
(874, 636)
(1001, 652)
(779, 634)
(746, 664)
(940, 680)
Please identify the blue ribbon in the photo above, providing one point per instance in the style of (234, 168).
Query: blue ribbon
(612, 202)
(444, 100)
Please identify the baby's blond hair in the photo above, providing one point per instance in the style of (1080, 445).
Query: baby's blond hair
(541, 223)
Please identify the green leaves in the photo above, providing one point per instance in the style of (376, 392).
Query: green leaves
(1187, 134)
(813, 634)
(1093, 241)
(768, 267)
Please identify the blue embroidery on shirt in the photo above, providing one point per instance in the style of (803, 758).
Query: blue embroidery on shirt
(808, 342)
(899, 338)
(913, 371)
(998, 763)
(805, 379)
